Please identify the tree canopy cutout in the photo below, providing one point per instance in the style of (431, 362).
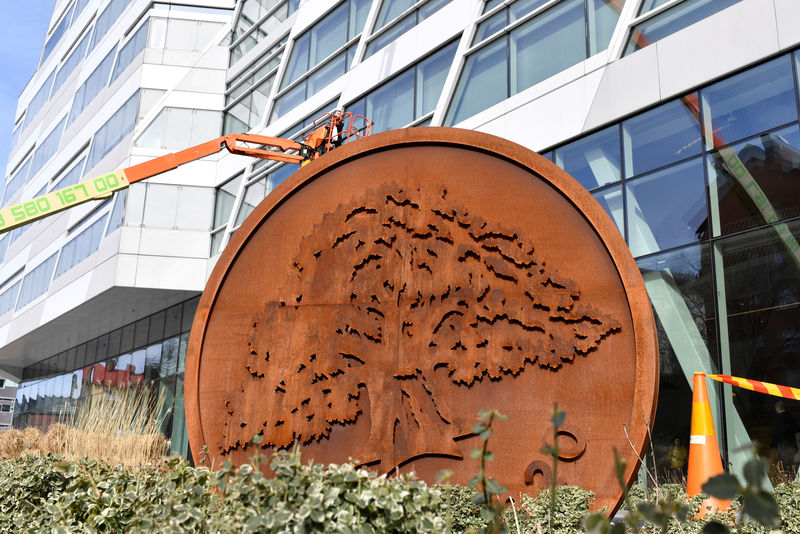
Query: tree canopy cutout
(385, 292)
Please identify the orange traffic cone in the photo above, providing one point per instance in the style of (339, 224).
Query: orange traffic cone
(704, 458)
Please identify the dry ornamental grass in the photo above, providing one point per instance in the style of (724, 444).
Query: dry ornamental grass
(121, 426)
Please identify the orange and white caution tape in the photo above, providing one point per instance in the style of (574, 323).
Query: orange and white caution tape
(762, 387)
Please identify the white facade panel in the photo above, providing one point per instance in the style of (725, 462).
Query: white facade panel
(734, 38)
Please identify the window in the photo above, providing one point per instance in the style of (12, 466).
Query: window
(226, 196)
(538, 42)
(118, 212)
(321, 54)
(57, 34)
(71, 177)
(18, 180)
(180, 127)
(246, 104)
(256, 19)
(663, 135)
(71, 62)
(18, 232)
(36, 282)
(95, 83)
(114, 130)
(40, 98)
(130, 51)
(81, 247)
(671, 20)
(8, 293)
(397, 17)
(109, 15)
(755, 182)
(750, 102)
(46, 150)
(4, 241)
(410, 95)
(667, 208)
(593, 160)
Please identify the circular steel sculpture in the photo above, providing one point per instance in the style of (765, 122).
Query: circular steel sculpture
(381, 296)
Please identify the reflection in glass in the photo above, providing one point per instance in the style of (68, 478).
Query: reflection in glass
(490, 26)
(169, 356)
(611, 201)
(179, 441)
(758, 99)
(672, 20)
(762, 295)
(593, 160)
(667, 208)
(152, 362)
(660, 136)
(547, 44)
(602, 20)
(481, 83)
(392, 105)
(680, 286)
(755, 182)
(166, 391)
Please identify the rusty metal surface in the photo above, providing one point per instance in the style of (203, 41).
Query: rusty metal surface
(381, 296)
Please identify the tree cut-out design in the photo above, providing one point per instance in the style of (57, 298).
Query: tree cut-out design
(386, 292)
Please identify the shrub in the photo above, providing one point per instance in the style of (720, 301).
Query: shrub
(12, 444)
(458, 508)
(31, 438)
(572, 504)
(49, 494)
(788, 497)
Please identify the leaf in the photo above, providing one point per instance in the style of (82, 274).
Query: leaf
(558, 418)
(493, 487)
(715, 527)
(596, 523)
(754, 472)
(486, 433)
(724, 486)
(477, 428)
(761, 506)
(476, 453)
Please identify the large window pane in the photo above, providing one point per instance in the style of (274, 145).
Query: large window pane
(431, 75)
(758, 99)
(762, 295)
(483, 82)
(672, 20)
(755, 182)
(602, 20)
(548, 44)
(593, 160)
(667, 208)
(660, 136)
(392, 106)
(680, 286)
(610, 199)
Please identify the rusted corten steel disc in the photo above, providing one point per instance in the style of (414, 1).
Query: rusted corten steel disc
(384, 294)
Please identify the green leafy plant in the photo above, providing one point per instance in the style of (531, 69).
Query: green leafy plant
(756, 502)
(491, 510)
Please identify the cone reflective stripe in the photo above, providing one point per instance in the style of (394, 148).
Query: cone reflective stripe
(785, 392)
(704, 458)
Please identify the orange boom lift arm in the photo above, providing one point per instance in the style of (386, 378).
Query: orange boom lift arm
(336, 126)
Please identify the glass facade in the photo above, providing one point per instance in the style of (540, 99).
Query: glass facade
(397, 17)
(539, 40)
(150, 352)
(703, 189)
(671, 20)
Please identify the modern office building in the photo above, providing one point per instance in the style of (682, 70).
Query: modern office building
(679, 116)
